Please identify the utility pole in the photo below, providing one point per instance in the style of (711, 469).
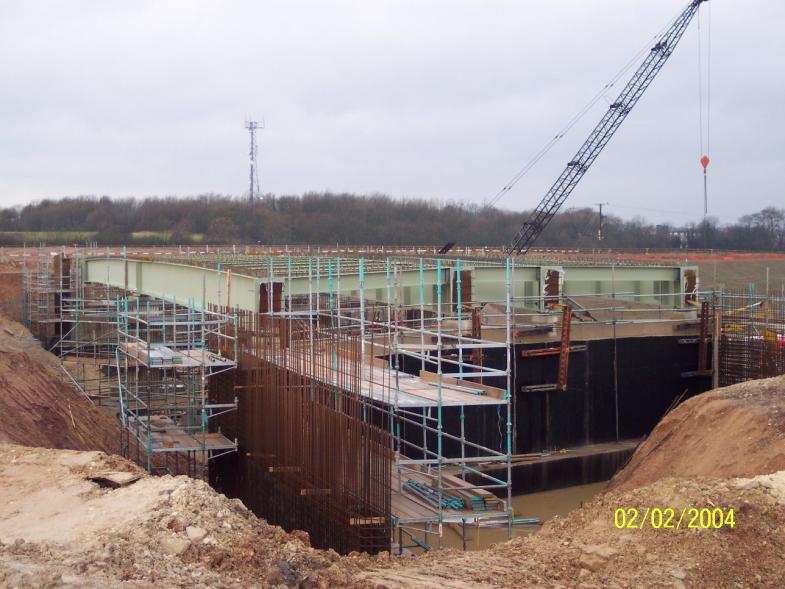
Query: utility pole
(602, 219)
(253, 191)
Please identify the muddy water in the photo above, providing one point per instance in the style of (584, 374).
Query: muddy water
(540, 505)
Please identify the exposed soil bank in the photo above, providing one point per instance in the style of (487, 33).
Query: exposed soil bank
(37, 408)
(736, 431)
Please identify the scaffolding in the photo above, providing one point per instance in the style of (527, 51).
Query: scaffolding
(45, 284)
(390, 373)
(166, 354)
(76, 321)
(409, 374)
(357, 407)
(149, 360)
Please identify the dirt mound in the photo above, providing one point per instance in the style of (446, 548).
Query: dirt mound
(60, 528)
(11, 298)
(736, 431)
(585, 549)
(37, 408)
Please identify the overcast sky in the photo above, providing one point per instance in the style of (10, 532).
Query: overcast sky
(432, 99)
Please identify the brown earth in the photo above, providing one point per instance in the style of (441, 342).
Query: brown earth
(736, 431)
(11, 304)
(585, 549)
(37, 408)
(11, 297)
(60, 529)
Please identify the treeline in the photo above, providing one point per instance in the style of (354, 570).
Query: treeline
(326, 218)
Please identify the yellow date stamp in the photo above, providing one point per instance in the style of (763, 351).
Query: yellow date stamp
(668, 518)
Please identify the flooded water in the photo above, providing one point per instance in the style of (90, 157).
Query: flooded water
(540, 505)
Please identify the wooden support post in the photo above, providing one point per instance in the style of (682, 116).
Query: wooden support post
(304, 492)
(715, 346)
(703, 343)
(476, 354)
(367, 521)
(564, 357)
(283, 469)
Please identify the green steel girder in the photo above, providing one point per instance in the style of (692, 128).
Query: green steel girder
(187, 283)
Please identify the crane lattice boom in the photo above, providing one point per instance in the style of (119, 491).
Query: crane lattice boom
(602, 133)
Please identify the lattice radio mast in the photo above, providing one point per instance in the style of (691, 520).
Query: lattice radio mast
(253, 180)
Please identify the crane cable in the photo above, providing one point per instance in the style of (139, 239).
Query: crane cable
(489, 202)
(704, 129)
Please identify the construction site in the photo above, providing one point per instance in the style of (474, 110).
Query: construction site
(375, 400)
(236, 414)
(395, 402)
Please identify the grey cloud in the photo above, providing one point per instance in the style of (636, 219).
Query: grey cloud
(433, 99)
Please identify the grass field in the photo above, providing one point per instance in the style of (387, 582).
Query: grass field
(742, 273)
(164, 236)
(33, 238)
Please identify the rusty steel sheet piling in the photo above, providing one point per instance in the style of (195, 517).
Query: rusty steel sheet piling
(314, 454)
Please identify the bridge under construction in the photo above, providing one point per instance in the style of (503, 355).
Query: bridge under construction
(376, 400)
